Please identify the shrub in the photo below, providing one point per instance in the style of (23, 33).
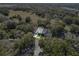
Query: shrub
(25, 27)
(57, 28)
(4, 11)
(9, 24)
(28, 19)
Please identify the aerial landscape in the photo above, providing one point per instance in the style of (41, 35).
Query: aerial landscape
(39, 29)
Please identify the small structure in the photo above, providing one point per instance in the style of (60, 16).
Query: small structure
(41, 32)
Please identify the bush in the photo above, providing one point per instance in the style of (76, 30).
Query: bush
(76, 20)
(9, 24)
(74, 29)
(28, 19)
(18, 34)
(42, 22)
(4, 11)
(41, 14)
(3, 18)
(3, 35)
(25, 27)
(17, 17)
(68, 20)
(57, 28)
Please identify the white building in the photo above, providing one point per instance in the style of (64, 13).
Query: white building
(41, 32)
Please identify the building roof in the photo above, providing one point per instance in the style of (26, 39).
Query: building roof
(40, 30)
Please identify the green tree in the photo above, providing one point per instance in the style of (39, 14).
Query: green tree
(28, 19)
(4, 51)
(9, 24)
(43, 22)
(74, 29)
(25, 27)
(4, 11)
(68, 19)
(26, 41)
(58, 47)
(57, 28)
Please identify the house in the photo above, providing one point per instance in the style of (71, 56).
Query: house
(42, 32)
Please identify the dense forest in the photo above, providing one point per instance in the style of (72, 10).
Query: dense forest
(19, 21)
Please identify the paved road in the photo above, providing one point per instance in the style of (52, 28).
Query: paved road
(37, 48)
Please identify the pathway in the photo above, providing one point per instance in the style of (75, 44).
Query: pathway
(37, 48)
